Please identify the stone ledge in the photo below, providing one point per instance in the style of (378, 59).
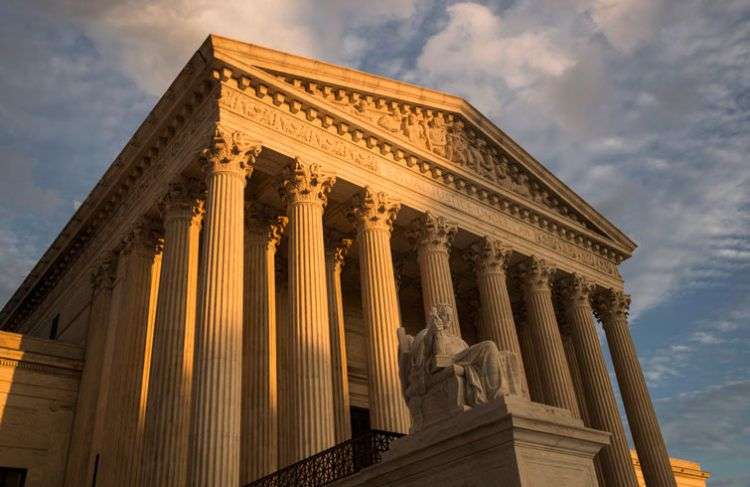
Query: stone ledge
(37, 354)
(509, 442)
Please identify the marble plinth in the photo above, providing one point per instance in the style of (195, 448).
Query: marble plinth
(510, 442)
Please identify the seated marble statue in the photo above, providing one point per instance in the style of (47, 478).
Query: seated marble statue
(442, 375)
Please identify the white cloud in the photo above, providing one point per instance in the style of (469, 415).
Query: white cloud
(478, 50)
(151, 40)
(667, 363)
(705, 338)
(627, 24)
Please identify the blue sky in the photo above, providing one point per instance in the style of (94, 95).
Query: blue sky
(641, 106)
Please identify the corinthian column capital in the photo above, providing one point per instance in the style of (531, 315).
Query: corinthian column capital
(144, 236)
(577, 290)
(337, 248)
(185, 200)
(374, 211)
(489, 255)
(276, 230)
(537, 274)
(611, 305)
(230, 152)
(104, 273)
(340, 251)
(263, 227)
(306, 183)
(433, 232)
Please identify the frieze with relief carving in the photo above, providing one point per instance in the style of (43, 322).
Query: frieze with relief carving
(262, 108)
(297, 129)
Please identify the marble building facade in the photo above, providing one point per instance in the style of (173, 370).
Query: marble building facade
(238, 274)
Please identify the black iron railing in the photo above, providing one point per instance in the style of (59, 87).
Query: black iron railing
(332, 464)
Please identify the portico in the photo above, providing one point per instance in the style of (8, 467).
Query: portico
(255, 225)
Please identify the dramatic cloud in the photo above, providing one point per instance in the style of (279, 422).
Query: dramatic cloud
(647, 133)
(151, 40)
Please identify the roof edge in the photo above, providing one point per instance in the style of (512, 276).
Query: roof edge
(304, 66)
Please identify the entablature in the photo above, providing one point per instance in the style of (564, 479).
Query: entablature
(262, 98)
(293, 125)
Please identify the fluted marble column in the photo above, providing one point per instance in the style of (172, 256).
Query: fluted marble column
(575, 372)
(282, 328)
(540, 312)
(529, 354)
(101, 435)
(336, 250)
(496, 323)
(165, 459)
(141, 257)
(612, 308)
(215, 455)
(599, 396)
(433, 237)
(79, 470)
(259, 447)
(373, 215)
(575, 375)
(306, 419)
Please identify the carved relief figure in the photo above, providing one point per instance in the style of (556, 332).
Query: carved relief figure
(437, 136)
(482, 156)
(415, 130)
(457, 150)
(522, 183)
(391, 122)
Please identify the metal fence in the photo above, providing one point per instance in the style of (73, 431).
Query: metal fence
(332, 464)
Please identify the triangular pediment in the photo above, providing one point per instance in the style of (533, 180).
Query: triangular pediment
(446, 127)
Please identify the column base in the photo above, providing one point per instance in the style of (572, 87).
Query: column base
(510, 442)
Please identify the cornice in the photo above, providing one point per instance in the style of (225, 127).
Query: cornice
(271, 59)
(39, 355)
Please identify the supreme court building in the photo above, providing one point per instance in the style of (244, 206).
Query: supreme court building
(225, 301)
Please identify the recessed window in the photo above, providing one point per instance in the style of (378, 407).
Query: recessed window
(12, 477)
(52, 334)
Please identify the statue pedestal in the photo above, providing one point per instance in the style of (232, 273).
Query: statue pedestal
(509, 442)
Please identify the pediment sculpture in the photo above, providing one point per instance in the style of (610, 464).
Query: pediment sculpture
(441, 375)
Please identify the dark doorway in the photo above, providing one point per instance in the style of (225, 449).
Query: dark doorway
(12, 477)
(360, 421)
